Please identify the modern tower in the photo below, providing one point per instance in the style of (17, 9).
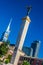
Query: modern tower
(28, 51)
(35, 45)
(20, 39)
(7, 32)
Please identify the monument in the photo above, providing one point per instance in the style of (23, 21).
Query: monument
(21, 38)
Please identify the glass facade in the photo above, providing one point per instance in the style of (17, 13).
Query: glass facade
(35, 45)
(28, 51)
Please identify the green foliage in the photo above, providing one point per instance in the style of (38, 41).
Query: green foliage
(6, 61)
(4, 48)
(9, 57)
(0, 62)
(26, 63)
(0, 55)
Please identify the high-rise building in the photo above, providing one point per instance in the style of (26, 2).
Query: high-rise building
(28, 51)
(6, 33)
(35, 45)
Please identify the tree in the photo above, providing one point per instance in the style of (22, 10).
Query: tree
(4, 48)
(9, 57)
(25, 63)
(6, 61)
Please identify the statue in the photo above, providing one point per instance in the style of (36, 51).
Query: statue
(28, 9)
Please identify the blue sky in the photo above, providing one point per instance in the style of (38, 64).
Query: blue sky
(16, 9)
